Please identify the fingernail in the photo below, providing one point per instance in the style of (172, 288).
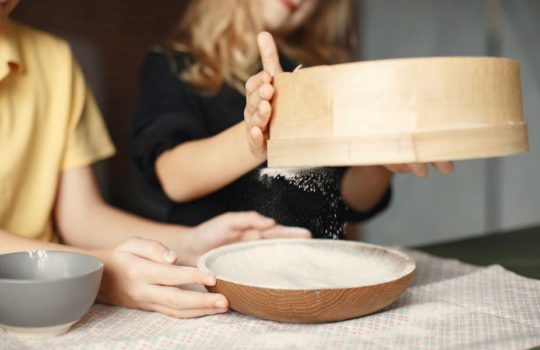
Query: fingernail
(221, 304)
(210, 281)
(170, 256)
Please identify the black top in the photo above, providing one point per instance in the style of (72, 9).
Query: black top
(171, 112)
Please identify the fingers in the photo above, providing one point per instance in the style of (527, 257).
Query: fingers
(445, 168)
(148, 249)
(229, 228)
(180, 299)
(247, 220)
(255, 82)
(419, 169)
(286, 232)
(258, 109)
(258, 116)
(250, 235)
(172, 275)
(185, 313)
(249, 226)
(257, 142)
(277, 231)
(141, 274)
(259, 92)
(269, 53)
(264, 111)
(398, 168)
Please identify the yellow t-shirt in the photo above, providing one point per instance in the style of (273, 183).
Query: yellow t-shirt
(49, 123)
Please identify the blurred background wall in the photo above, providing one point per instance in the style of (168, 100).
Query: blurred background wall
(482, 196)
(111, 37)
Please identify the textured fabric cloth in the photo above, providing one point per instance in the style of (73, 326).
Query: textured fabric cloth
(49, 123)
(450, 305)
(172, 112)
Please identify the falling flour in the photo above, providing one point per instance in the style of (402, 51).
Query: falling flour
(324, 183)
(304, 267)
(307, 179)
(286, 173)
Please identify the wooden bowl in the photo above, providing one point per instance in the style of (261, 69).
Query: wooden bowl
(308, 281)
(397, 111)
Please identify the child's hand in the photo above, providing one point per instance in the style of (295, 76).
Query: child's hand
(237, 227)
(259, 93)
(363, 187)
(142, 274)
(421, 169)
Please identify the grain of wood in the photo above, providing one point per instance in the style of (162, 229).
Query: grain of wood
(398, 110)
(308, 281)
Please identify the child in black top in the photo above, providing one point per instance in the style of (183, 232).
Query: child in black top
(190, 137)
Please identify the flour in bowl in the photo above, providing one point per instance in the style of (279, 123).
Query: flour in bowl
(299, 266)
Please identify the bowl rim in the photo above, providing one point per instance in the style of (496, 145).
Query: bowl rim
(52, 280)
(409, 269)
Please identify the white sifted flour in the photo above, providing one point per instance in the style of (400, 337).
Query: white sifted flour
(307, 179)
(287, 173)
(304, 267)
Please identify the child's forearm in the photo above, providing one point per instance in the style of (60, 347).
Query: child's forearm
(195, 169)
(103, 227)
(363, 187)
(10, 243)
(85, 220)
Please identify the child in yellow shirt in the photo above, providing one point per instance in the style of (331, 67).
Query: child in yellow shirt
(51, 132)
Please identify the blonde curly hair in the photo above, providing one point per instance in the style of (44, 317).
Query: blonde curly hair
(220, 35)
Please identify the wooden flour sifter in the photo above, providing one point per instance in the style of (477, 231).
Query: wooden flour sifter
(397, 111)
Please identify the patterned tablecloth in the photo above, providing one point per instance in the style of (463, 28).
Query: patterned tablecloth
(450, 305)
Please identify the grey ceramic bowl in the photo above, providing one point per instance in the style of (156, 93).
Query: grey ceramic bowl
(42, 293)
